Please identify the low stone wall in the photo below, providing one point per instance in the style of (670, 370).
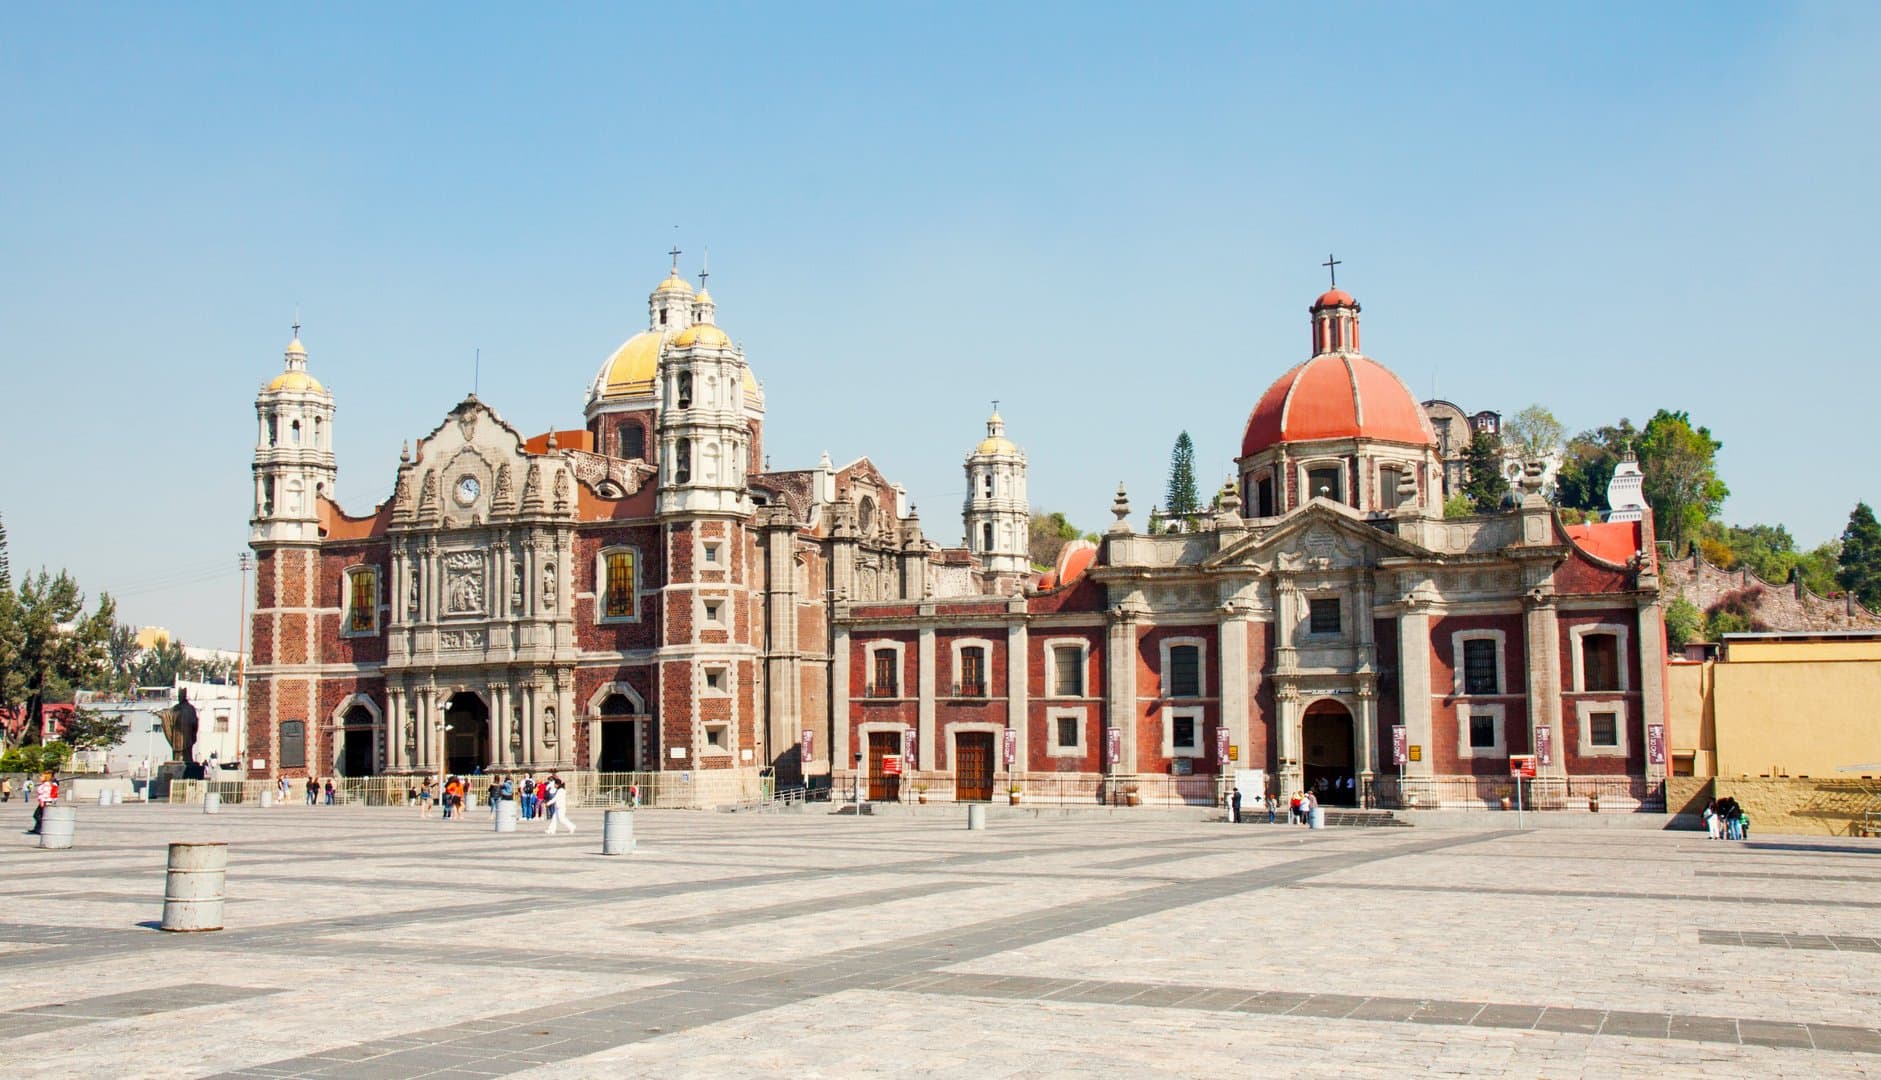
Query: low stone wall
(1685, 799)
(1797, 805)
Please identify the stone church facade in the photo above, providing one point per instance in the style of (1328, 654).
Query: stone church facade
(643, 594)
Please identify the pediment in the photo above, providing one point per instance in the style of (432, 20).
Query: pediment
(1319, 536)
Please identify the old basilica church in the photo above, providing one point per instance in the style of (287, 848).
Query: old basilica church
(640, 594)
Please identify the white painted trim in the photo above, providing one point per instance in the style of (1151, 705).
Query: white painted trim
(900, 649)
(1170, 749)
(1201, 665)
(1052, 645)
(600, 584)
(1054, 748)
(1575, 634)
(986, 669)
(1622, 728)
(1501, 639)
(1498, 713)
(338, 715)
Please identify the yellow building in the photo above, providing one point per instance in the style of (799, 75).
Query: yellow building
(1787, 723)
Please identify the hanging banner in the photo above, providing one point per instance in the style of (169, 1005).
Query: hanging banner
(1012, 746)
(907, 747)
(1655, 744)
(1399, 740)
(1221, 745)
(1113, 745)
(1544, 745)
(809, 743)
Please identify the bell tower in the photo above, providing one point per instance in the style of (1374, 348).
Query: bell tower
(997, 518)
(294, 463)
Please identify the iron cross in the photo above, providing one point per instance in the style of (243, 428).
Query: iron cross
(1332, 267)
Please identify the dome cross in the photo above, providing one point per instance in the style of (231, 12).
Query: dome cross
(1332, 268)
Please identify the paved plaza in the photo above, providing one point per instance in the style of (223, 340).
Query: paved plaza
(368, 943)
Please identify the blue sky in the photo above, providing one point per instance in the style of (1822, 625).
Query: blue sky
(1110, 218)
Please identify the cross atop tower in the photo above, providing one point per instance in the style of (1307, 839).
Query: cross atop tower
(703, 272)
(1332, 267)
(675, 253)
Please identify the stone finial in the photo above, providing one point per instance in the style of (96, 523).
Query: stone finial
(1120, 506)
(1228, 504)
(404, 451)
(552, 444)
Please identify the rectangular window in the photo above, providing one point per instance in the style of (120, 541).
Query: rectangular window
(1068, 732)
(711, 553)
(715, 612)
(633, 440)
(973, 672)
(1600, 662)
(1324, 615)
(1068, 671)
(1323, 481)
(293, 744)
(1479, 668)
(1388, 489)
(885, 681)
(1603, 729)
(364, 602)
(717, 736)
(715, 679)
(1185, 671)
(1183, 735)
(222, 723)
(620, 585)
(1482, 732)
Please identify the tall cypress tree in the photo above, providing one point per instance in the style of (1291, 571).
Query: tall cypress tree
(1182, 500)
(1485, 485)
(6, 569)
(1861, 556)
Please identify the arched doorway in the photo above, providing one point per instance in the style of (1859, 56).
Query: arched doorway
(466, 734)
(621, 736)
(356, 747)
(1326, 766)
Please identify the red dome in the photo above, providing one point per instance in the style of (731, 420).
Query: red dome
(1334, 297)
(1337, 396)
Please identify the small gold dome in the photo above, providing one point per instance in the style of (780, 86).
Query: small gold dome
(701, 334)
(998, 444)
(632, 368)
(675, 283)
(705, 295)
(296, 380)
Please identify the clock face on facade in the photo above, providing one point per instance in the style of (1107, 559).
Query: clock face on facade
(467, 490)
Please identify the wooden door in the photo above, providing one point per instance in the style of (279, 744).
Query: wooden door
(883, 788)
(973, 766)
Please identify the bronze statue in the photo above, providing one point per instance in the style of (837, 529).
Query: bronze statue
(179, 727)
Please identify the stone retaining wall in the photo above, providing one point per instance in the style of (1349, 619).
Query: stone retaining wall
(1782, 805)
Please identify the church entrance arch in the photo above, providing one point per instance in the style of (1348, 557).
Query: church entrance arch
(356, 745)
(466, 734)
(1326, 766)
(621, 727)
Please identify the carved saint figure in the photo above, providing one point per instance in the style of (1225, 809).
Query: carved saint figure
(548, 586)
(515, 586)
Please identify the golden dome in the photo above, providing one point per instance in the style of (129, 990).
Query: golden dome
(705, 295)
(997, 444)
(701, 334)
(631, 370)
(675, 283)
(296, 380)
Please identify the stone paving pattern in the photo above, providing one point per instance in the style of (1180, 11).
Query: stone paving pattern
(369, 943)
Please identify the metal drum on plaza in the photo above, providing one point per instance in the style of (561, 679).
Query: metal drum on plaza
(57, 825)
(267, 797)
(1318, 818)
(506, 815)
(976, 816)
(192, 890)
(617, 832)
(212, 803)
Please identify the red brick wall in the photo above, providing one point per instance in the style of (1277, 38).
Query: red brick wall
(1635, 760)
(946, 677)
(1446, 734)
(591, 636)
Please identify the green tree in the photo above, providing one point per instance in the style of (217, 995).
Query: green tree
(121, 654)
(1861, 556)
(161, 664)
(1484, 484)
(1458, 506)
(1534, 433)
(52, 644)
(1181, 500)
(1047, 535)
(6, 567)
(1681, 477)
(1683, 623)
(88, 730)
(1587, 464)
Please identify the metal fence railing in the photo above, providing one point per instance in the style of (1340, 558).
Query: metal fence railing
(694, 790)
(1619, 794)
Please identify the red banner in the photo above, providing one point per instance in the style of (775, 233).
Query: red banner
(1655, 744)
(1012, 746)
(1398, 742)
(907, 747)
(1544, 744)
(1113, 745)
(809, 743)
(1522, 765)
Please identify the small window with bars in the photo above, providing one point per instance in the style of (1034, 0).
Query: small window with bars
(886, 683)
(1067, 733)
(1185, 671)
(1482, 732)
(972, 672)
(1323, 615)
(1600, 662)
(1603, 729)
(1068, 671)
(1479, 667)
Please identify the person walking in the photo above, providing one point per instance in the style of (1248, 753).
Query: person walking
(282, 787)
(6, 789)
(424, 798)
(451, 788)
(1234, 807)
(313, 791)
(329, 792)
(558, 804)
(43, 792)
(1293, 809)
(1273, 805)
(529, 797)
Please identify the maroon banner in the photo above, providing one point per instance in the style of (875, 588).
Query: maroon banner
(1113, 745)
(1655, 744)
(1398, 741)
(809, 743)
(1012, 746)
(1544, 744)
(1221, 746)
(907, 748)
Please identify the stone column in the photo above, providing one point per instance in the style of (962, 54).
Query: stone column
(1121, 703)
(1542, 631)
(394, 724)
(1291, 777)
(1414, 682)
(1231, 669)
(1650, 635)
(925, 688)
(1366, 712)
(840, 709)
(1018, 697)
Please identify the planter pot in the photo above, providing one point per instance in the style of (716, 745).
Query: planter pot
(1593, 806)
(1505, 802)
(1131, 798)
(921, 798)
(1015, 798)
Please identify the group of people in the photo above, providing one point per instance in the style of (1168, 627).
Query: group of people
(1299, 809)
(548, 799)
(1726, 820)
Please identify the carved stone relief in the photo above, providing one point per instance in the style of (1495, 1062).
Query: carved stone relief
(463, 583)
(461, 639)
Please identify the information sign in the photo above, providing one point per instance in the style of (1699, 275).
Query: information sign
(1522, 765)
(1417, 752)
(891, 764)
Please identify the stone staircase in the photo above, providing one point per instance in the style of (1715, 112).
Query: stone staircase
(1372, 819)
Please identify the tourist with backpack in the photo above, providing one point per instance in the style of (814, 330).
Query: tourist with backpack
(529, 797)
